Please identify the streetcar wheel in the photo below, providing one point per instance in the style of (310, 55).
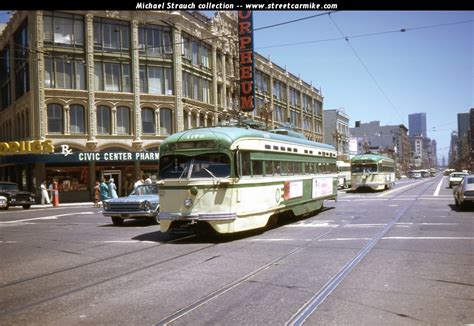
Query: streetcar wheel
(117, 221)
(272, 222)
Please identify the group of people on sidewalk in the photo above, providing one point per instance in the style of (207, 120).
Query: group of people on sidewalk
(107, 189)
(104, 190)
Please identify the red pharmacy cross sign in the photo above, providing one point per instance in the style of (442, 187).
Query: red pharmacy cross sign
(246, 61)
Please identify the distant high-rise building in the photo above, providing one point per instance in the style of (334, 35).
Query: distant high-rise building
(417, 124)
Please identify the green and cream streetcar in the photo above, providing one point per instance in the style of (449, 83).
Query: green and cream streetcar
(372, 171)
(236, 178)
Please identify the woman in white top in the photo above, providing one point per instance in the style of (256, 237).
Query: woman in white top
(44, 194)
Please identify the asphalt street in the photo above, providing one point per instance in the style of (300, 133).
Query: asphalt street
(399, 257)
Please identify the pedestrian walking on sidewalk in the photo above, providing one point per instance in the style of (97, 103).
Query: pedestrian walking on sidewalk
(104, 191)
(97, 194)
(44, 194)
(112, 188)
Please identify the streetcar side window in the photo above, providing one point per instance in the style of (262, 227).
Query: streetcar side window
(245, 163)
(257, 168)
(268, 168)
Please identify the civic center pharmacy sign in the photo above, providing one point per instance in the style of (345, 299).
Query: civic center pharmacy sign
(118, 156)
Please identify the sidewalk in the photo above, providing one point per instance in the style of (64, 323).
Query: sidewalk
(87, 204)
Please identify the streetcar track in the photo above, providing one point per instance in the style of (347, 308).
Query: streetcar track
(90, 285)
(35, 277)
(316, 300)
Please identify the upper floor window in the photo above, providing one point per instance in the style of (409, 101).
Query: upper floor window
(63, 28)
(148, 121)
(154, 40)
(166, 121)
(5, 80)
(76, 116)
(55, 118)
(197, 88)
(294, 97)
(123, 120)
(103, 119)
(22, 84)
(156, 80)
(112, 77)
(279, 90)
(196, 52)
(62, 72)
(262, 82)
(111, 35)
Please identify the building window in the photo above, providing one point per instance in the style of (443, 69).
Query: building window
(22, 84)
(154, 40)
(196, 52)
(55, 118)
(112, 77)
(294, 97)
(64, 73)
(123, 120)
(295, 118)
(63, 28)
(111, 35)
(262, 82)
(103, 119)
(279, 113)
(5, 81)
(156, 80)
(76, 115)
(148, 121)
(197, 88)
(279, 90)
(166, 121)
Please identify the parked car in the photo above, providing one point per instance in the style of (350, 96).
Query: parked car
(455, 178)
(14, 196)
(143, 202)
(3, 201)
(464, 192)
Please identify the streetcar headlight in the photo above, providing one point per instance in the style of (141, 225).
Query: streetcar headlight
(188, 202)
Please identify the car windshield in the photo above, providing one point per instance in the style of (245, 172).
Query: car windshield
(8, 186)
(145, 190)
(201, 166)
(458, 175)
(364, 168)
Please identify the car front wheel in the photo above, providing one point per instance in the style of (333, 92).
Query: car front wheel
(117, 221)
(26, 206)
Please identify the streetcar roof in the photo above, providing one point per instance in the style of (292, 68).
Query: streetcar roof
(228, 135)
(375, 158)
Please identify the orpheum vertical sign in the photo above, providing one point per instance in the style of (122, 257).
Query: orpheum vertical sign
(246, 61)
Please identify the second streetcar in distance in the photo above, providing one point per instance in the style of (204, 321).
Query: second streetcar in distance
(372, 171)
(236, 178)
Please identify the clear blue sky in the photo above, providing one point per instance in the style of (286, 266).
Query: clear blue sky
(423, 70)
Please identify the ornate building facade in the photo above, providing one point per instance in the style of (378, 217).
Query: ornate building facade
(104, 88)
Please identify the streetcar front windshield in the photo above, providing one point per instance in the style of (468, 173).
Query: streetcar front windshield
(365, 168)
(201, 166)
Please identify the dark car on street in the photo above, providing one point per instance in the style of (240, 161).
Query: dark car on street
(143, 202)
(14, 196)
